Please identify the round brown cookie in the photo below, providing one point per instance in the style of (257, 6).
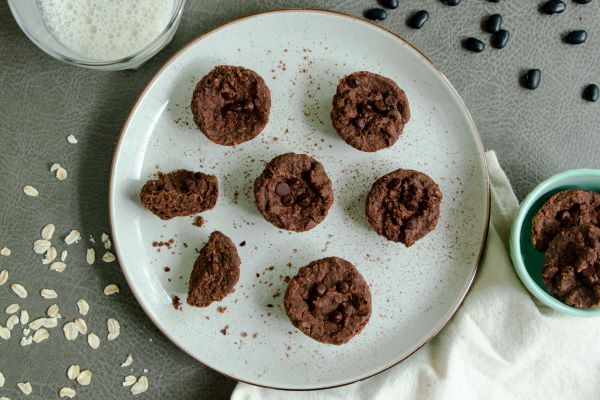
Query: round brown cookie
(369, 111)
(180, 193)
(564, 210)
(404, 206)
(293, 192)
(328, 300)
(231, 105)
(215, 272)
(572, 266)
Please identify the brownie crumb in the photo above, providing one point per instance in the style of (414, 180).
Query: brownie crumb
(176, 303)
(199, 221)
(254, 335)
(167, 269)
(243, 334)
(243, 243)
(159, 243)
(224, 330)
(270, 305)
(221, 309)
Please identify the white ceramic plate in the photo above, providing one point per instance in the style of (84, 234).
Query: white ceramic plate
(301, 55)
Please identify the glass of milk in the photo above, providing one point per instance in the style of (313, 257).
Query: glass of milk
(99, 34)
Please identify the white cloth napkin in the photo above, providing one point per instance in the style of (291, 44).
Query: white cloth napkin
(501, 344)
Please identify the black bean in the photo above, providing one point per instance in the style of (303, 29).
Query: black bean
(591, 93)
(582, 1)
(493, 23)
(500, 39)
(418, 19)
(576, 37)
(532, 79)
(376, 14)
(393, 4)
(474, 45)
(553, 7)
(451, 2)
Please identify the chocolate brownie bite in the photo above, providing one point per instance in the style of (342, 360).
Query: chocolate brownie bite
(231, 105)
(404, 206)
(293, 192)
(215, 272)
(180, 193)
(328, 300)
(572, 266)
(564, 210)
(369, 111)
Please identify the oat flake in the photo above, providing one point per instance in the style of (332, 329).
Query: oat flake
(11, 309)
(108, 257)
(63, 256)
(111, 289)
(48, 294)
(81, 325)
(83, 306)
(61, 174)
(19, 290)
(58, 266)
(73, 237)
(129, 380)
(1, 380)
(48, 231)
(128, 361)
(40, 335)
(90, 256)
(53, 311)
(54, 167)
(140, 386)
(70, 331)
(106, 241)
(24, 319)
(114, 329)
(11, 322)
(72, 139)
(25, 387)
(26, 331)
(30, 191)
(3, 277)
(26, 341)
(4, 333)
(73, 371)
(85, 377)
(5, 252)
(93, 340)
(41, 246)
(51, 255)
(67, 392)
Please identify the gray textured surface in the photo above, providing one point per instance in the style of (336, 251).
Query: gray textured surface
(535, 134)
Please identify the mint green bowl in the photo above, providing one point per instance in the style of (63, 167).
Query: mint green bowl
(527, 261)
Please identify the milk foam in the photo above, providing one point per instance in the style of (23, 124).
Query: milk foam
(106, 29)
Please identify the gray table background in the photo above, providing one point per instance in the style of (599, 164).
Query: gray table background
(535, 133)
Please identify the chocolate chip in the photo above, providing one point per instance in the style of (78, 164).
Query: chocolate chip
(393, 184)
(282, 189)
(169, 186)
(352, 83)
(320, 289)
(249, 106)
(336, 316)
(236, 107)
(360, 123)
(190, 184)
(304, 200)
(226, 112)
(293, 181)
(394, 114)
(287, 200)
(366, 107)
(343, 287)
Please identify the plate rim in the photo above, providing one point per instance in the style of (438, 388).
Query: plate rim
(395, 36)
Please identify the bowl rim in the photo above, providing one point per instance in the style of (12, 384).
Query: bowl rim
(515, 247)
(147, 49)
